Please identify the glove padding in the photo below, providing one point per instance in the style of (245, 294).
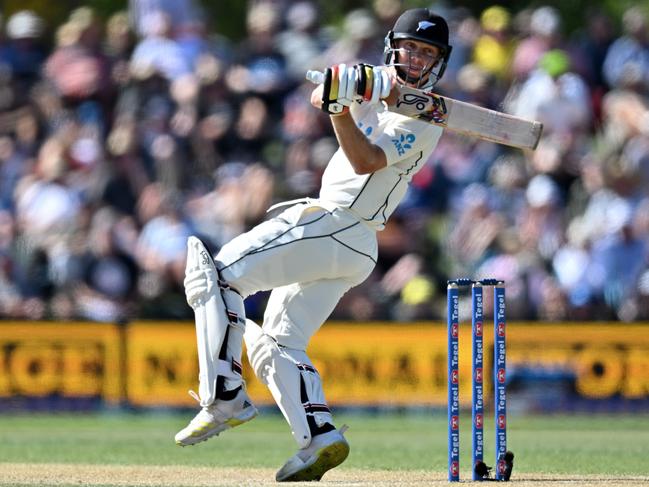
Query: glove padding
(372, 83)
(361, 83)
(338, 92)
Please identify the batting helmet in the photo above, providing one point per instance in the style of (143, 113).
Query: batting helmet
(422, 25)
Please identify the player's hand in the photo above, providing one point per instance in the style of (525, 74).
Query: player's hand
(338, 89)
(373, 83)
(342, 85)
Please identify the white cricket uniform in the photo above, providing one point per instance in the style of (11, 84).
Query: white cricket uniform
(316, 250)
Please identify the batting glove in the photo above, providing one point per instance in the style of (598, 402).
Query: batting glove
(372, 83)
(339, 89)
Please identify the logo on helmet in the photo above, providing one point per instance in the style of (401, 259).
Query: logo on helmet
(424, 24)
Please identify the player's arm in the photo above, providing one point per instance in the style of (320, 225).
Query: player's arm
(364, 156)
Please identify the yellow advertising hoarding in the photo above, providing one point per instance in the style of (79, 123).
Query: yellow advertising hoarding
(39, 359)
(397, 364)
(162, 363)
(405, 364)
(154, 364)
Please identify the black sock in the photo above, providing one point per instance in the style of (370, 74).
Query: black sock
(320, 430)
(229, 395)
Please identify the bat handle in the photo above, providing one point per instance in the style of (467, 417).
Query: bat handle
(315, 77)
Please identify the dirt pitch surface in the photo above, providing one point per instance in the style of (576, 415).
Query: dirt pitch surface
(26, 474)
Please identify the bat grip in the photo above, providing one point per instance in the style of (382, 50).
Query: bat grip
(315, 77)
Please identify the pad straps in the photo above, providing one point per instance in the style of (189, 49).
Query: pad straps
(228, 368)
(311, 408)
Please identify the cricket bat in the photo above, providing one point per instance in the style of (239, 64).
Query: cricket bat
(461, 117)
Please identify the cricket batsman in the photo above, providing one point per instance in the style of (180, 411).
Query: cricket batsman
(312, 252)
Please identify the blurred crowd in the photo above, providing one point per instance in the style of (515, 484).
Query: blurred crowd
(120, 137)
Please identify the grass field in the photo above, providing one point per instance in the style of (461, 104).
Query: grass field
(387, 449)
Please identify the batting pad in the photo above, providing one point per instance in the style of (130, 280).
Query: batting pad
(292, 380)
(216, 307)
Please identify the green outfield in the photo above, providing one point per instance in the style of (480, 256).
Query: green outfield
(568, 448)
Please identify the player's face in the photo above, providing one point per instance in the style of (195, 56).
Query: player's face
(416, 58)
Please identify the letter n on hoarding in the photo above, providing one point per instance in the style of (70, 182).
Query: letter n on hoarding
(161, 363)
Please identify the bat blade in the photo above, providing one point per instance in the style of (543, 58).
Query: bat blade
(462, 117)
(467, 118)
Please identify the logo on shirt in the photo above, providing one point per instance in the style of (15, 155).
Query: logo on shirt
(367, 130)
(403, 143)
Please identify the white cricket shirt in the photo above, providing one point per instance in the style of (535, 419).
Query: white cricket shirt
(407, 144)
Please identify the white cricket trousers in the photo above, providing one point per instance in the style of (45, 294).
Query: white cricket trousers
(309, 255)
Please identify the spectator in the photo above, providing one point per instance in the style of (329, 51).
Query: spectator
(555, 95)
(541, 221)
(24, 53)
(76, 68)
(617, 259)
(158, 52)
(108, 274)
(628, 56)
(477, 228)
(118, 47)
(302, 42)
(544, 35)
(260, 66)
(590, 47)
(180, 12)
(494, 48)
(357, 42)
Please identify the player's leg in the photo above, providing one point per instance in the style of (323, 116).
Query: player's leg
(297, 389)
(220, 322)
(274, 253)
(252, 261)
(278, 359)
(303, 244)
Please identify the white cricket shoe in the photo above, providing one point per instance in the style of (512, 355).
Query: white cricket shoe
(217, 417)
(325, 452)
